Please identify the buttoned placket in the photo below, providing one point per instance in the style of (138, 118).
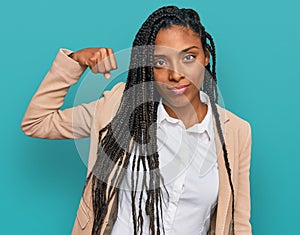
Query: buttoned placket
(186, 158)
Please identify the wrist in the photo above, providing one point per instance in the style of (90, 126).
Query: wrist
(71, 55)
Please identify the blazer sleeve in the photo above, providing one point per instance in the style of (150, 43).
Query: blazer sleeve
(44, 117)
(242, 208)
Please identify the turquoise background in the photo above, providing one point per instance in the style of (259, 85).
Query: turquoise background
(258, 60)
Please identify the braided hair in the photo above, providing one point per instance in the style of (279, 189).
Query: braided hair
(130, 134)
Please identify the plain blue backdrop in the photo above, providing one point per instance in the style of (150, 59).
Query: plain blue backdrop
(257, 66)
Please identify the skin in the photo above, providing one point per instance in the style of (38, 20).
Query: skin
(179, 64)
(99, 60)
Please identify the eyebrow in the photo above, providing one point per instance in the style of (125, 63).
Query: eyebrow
(187, 49)
(184, 50)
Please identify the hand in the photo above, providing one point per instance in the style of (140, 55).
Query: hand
(100, 60)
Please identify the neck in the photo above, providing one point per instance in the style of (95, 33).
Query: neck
(189, 114)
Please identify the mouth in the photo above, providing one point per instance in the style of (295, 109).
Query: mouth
(179, 90)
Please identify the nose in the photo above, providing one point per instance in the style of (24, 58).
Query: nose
(175, 74)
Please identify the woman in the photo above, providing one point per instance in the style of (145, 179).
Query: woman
(164, 157)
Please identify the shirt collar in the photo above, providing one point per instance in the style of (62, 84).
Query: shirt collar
(205, 126)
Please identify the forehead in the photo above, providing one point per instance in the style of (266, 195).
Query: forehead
(176, 37)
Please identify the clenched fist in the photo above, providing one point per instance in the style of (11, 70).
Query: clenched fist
(100, 60)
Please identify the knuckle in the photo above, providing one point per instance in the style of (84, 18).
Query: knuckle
(97, 54)
(102, 51)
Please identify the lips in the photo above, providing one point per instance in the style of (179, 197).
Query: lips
(178, 90)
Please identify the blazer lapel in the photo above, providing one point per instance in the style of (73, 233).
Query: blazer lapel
(224, 195)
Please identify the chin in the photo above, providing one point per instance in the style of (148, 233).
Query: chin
(177, 103)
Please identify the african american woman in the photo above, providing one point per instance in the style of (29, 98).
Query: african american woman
(164, 157)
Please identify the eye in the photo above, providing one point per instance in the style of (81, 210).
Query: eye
(159, 63)
(189, 58)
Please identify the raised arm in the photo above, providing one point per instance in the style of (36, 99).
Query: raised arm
(44, 117)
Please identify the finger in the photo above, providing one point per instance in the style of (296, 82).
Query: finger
(100, 63)
(112, 58)
(107, 75)
(96, 59)
(92, 63)
(106, 62)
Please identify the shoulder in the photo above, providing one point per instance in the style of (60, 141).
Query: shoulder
(236, 124)
(235, 120)
(108, 105)
(116, 90)
(113, 97)
(232, 120)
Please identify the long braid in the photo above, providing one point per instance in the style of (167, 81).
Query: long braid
(210, 87)
(213, 94)
(117, 145)
(212, 51)
(139, 123)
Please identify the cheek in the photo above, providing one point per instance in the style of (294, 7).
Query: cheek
(196, 76)
(160, 75)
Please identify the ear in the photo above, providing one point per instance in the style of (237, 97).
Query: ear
(207, 57)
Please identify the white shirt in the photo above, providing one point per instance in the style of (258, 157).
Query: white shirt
(188, 164)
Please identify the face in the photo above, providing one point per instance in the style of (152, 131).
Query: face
(179, 65)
